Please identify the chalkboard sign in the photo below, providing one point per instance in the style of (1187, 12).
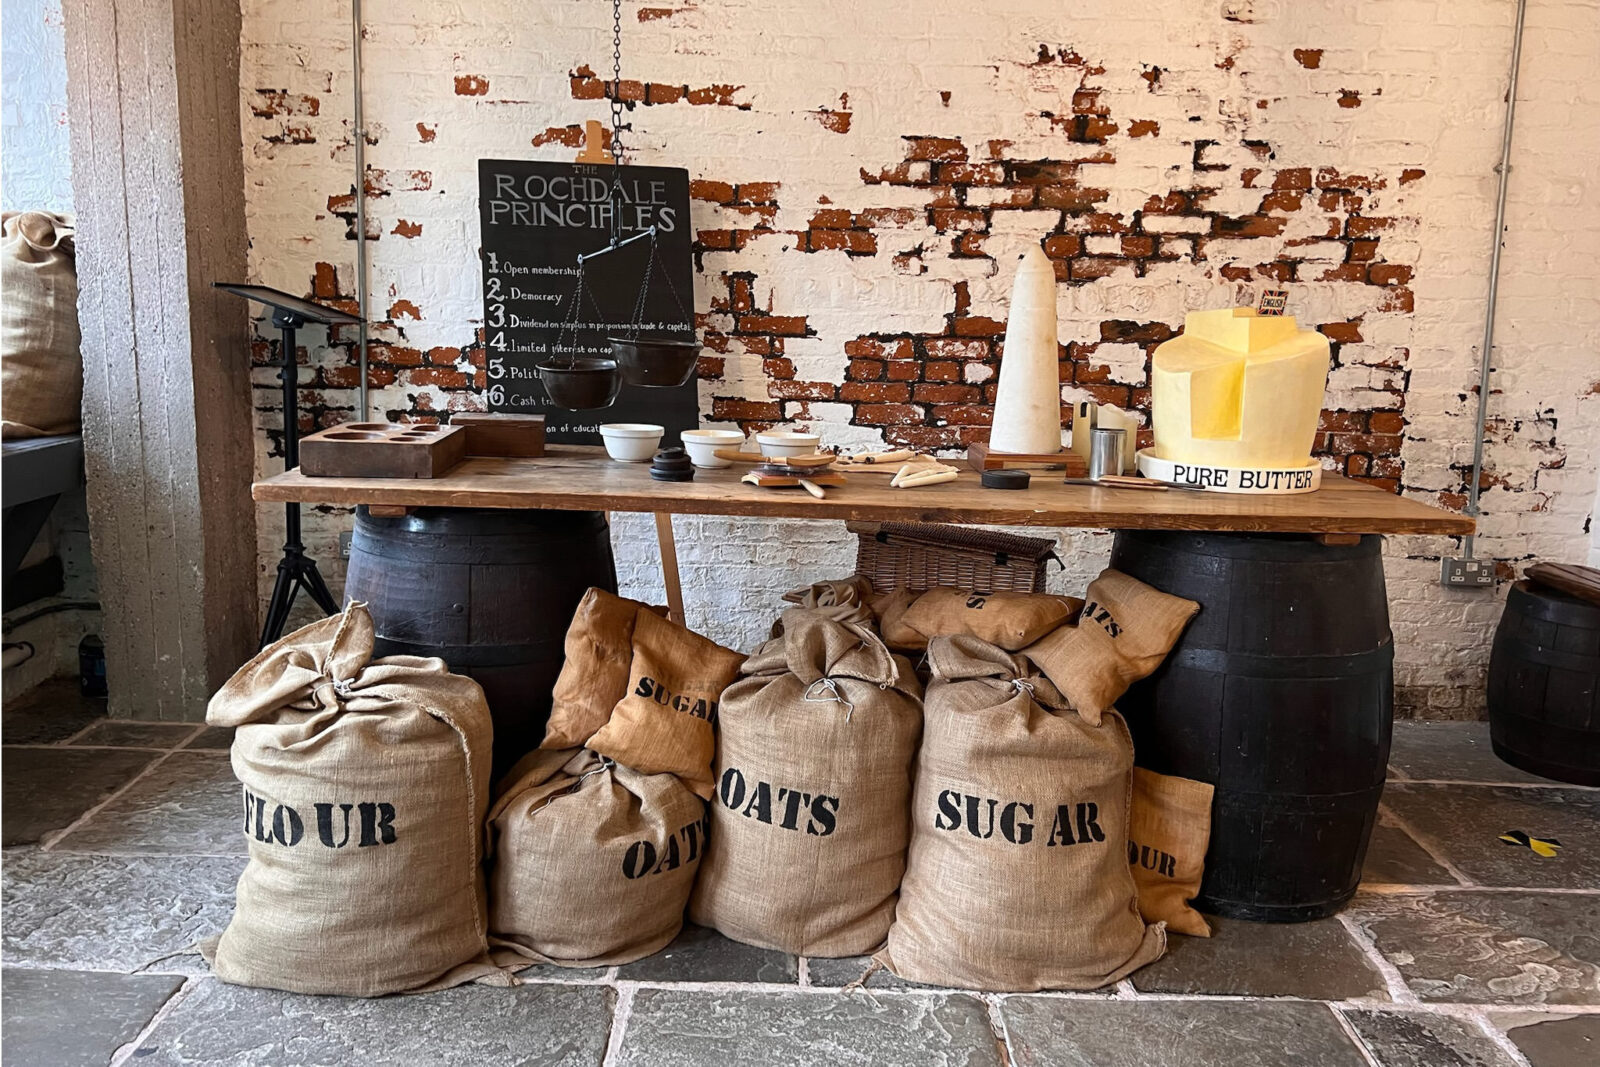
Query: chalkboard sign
(536, 219)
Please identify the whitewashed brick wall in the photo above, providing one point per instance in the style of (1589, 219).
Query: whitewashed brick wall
(785, 109)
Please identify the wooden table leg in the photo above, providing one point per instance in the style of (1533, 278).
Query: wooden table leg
(669, 566)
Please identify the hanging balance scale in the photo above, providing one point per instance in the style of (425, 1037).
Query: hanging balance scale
(582, 383)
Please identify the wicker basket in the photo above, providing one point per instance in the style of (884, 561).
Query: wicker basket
(919, 556)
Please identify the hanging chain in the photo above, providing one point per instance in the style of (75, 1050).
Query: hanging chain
(616, 121)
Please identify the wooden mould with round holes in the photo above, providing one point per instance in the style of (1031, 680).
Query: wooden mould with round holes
(382, 450)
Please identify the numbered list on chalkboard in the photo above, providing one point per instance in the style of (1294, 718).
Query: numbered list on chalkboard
(536, 219)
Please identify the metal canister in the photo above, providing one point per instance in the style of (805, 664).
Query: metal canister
(1105, 451)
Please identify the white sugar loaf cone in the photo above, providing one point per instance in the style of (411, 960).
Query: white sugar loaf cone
(1027, 407)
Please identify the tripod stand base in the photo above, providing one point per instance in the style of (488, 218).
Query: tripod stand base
(296, 571)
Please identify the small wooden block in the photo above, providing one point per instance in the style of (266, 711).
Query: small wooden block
(1569, 578)
(501, 433)
(1339, 539)
(981, 458)
(388, 511)
(382, 450)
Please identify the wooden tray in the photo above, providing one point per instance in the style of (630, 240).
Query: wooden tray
(501, 433)
(382, 450)
(981, 458)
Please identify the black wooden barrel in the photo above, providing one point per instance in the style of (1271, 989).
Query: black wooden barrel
(1544, 685)
(489, 591)
(1281, 694)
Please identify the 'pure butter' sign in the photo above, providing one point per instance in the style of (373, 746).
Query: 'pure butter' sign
(536, 218)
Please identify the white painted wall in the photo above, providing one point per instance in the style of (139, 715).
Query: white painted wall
(35, 164)
(1398, 86)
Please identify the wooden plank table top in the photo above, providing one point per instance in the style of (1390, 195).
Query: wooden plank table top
(579, 478)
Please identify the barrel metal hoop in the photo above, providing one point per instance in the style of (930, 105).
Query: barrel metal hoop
(1526, 652)
(1379, 660)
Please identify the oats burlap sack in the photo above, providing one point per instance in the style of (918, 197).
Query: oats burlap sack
(1017, 877)
(1013, 621)
(666, 721)
(809, 822)
(1168, 832)
(594, 675)
(593, 862)
(41, 367)
(365, 785)
(1123, 633)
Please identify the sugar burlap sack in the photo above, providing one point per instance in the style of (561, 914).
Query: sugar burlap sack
(365, 786)
(666, 722)
(1123, 633)
(41, 367)
(1017, 877)
(1012, 621)
(1168, 832)
(592, 861)
(594, 674)
(809, 821)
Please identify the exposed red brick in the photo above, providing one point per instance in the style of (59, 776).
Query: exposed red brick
(1344, 272)
(1362, 251)
(758, 192)
(953, 348)
(1349, 98)
(1249, 226)
(651, 14)
(426, 133)
(1347, 422)
(1090, 267)
(1292, 178)
(1309, 58)
(886, 414)
(709, 368)
(715, 240)
(1389, 274)
(404, 308)
(440, 377)
(886, 216)
(937, 149)
(407, 228)
(832, 218)
(1063, 245)
(787, 325)
(571, 136)
(955, 218)
(969, 244)
(864, 370)
(875, 348)
(970, 174)
(1345, 333)
(785, 389)
(471, 85)
(1144, 128)
(718, 95)
(1387, 422)
(1411, 174)
(835, 121)
(710, 191)
(1138, 247)
(777, 367)
(657, 93)
(978, 326)
(945, 393)
(875, 392)
(901, 370)
(728, 409)
(325, 282)
(941, 371)
(963, 414)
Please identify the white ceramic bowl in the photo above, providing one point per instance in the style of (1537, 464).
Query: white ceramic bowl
(776, 444)
(702, 446)
(631, 442)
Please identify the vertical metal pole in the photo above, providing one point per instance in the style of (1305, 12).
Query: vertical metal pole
(361, 204)
(1486, 348)
(290, 373)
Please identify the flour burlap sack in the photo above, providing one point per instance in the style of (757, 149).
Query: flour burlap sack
(592, 861)
(365, 786)
(1168, 832)
(41, 366)
(813, 768)
(1125, 630)
(1013, 621)
(1017, 877)
(666, 722)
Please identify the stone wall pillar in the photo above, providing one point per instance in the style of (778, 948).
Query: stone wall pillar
(153, 100)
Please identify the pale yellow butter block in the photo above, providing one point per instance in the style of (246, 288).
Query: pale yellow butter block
(1238, 389)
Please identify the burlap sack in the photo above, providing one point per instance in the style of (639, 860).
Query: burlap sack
(809, 822)
(365, 785)
(1168, 832)
(41, 368)
(837, 593)
(1017, 877)
(593, 862)
(594, 676)
(891, 608)
(1013, 621)
(666, 722)
(1123, 633)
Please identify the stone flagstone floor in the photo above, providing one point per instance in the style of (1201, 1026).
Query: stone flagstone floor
(122, 848)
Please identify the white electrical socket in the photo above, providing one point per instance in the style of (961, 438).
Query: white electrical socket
(1476, 573)
(344, 544)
